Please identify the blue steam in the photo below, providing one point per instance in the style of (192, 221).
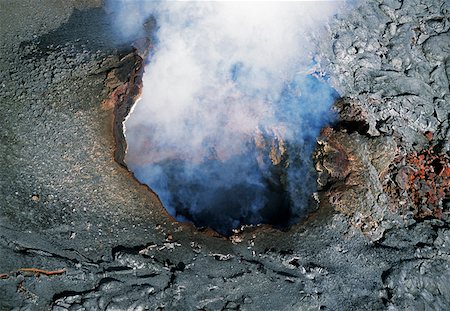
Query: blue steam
(228, 120)
(224, 195)
(236, 71)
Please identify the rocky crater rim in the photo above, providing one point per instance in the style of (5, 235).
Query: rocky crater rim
(124, 84)
(351, 159)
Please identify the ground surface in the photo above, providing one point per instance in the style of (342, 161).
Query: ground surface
(66, 204)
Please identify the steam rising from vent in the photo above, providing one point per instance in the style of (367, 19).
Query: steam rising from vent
(232, 103)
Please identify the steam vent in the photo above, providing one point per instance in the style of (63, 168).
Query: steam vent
(160, 155)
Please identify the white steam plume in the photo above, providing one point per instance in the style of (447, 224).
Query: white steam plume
(220, 73)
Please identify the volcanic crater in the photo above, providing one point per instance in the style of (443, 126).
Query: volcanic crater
(79, 232)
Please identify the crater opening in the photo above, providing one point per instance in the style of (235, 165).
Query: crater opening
(232, 103)
(266, 178)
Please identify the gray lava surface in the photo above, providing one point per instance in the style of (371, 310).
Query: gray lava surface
(102, 241)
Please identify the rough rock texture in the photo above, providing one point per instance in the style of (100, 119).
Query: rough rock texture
(391, 61)
(65, 203)
(393, 58)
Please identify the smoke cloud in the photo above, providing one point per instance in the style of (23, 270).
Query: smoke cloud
(232, 103)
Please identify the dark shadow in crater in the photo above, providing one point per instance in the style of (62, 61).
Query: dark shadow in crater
(269, 182)
(231, 196)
